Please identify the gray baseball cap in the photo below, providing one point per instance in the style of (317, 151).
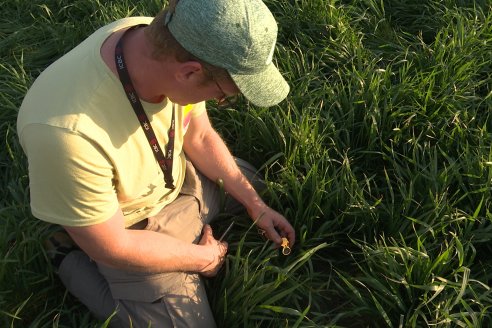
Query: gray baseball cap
(237, 35)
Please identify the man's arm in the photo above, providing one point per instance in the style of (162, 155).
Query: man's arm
(143, 250)
(70, 178)
(209, 154)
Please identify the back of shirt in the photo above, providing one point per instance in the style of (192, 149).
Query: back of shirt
(86, 150)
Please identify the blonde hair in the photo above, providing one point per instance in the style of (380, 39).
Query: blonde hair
(166, 46)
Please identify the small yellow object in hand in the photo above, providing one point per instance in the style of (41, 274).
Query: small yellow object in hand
(285, 246)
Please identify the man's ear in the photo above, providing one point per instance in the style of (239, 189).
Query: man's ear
(190, 72)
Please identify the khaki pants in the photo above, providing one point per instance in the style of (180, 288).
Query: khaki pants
(175, 299)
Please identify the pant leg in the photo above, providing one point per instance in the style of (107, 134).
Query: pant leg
(176, 299)
(172, 299)
(183, 304)
(166, 299)
(82, 279)
(213, 196)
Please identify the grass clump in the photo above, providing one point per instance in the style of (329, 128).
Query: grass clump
(380, 157)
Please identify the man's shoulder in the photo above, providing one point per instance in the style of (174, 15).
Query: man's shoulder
(123, 23)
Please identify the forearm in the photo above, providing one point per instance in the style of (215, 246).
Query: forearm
(212, 157)
(149, 251)
(208, 152)
(111, 244)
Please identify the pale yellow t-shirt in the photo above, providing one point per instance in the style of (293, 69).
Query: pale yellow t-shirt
(86, 150)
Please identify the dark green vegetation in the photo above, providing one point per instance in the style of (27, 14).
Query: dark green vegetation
(381, 157)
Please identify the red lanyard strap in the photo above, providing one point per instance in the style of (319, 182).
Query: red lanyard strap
(165, 160)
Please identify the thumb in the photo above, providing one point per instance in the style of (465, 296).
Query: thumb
(273, 235)
(207, 230)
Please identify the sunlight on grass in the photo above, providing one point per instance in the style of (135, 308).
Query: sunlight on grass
(380, 157)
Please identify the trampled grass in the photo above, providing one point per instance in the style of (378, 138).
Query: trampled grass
(381, 158)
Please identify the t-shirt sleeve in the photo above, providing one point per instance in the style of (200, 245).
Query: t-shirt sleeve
(198, 109)
(71, 180)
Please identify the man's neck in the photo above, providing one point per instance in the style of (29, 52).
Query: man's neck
(142, 67)
(139, 61)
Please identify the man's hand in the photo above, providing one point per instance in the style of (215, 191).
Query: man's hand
(209, 154)
(274, 224)
(217, 251)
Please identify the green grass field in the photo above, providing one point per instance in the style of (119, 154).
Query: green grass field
(380, 157)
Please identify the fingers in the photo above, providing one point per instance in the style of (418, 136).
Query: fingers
(207, 230)
(209, 236)
(274, 236)
(277, 235)
(276, 226)
(291, 236)
(288, 231)
(216, 249)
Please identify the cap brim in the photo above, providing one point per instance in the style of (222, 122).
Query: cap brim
(263, 89)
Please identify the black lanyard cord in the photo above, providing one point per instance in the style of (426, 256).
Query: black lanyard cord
(165, 160)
